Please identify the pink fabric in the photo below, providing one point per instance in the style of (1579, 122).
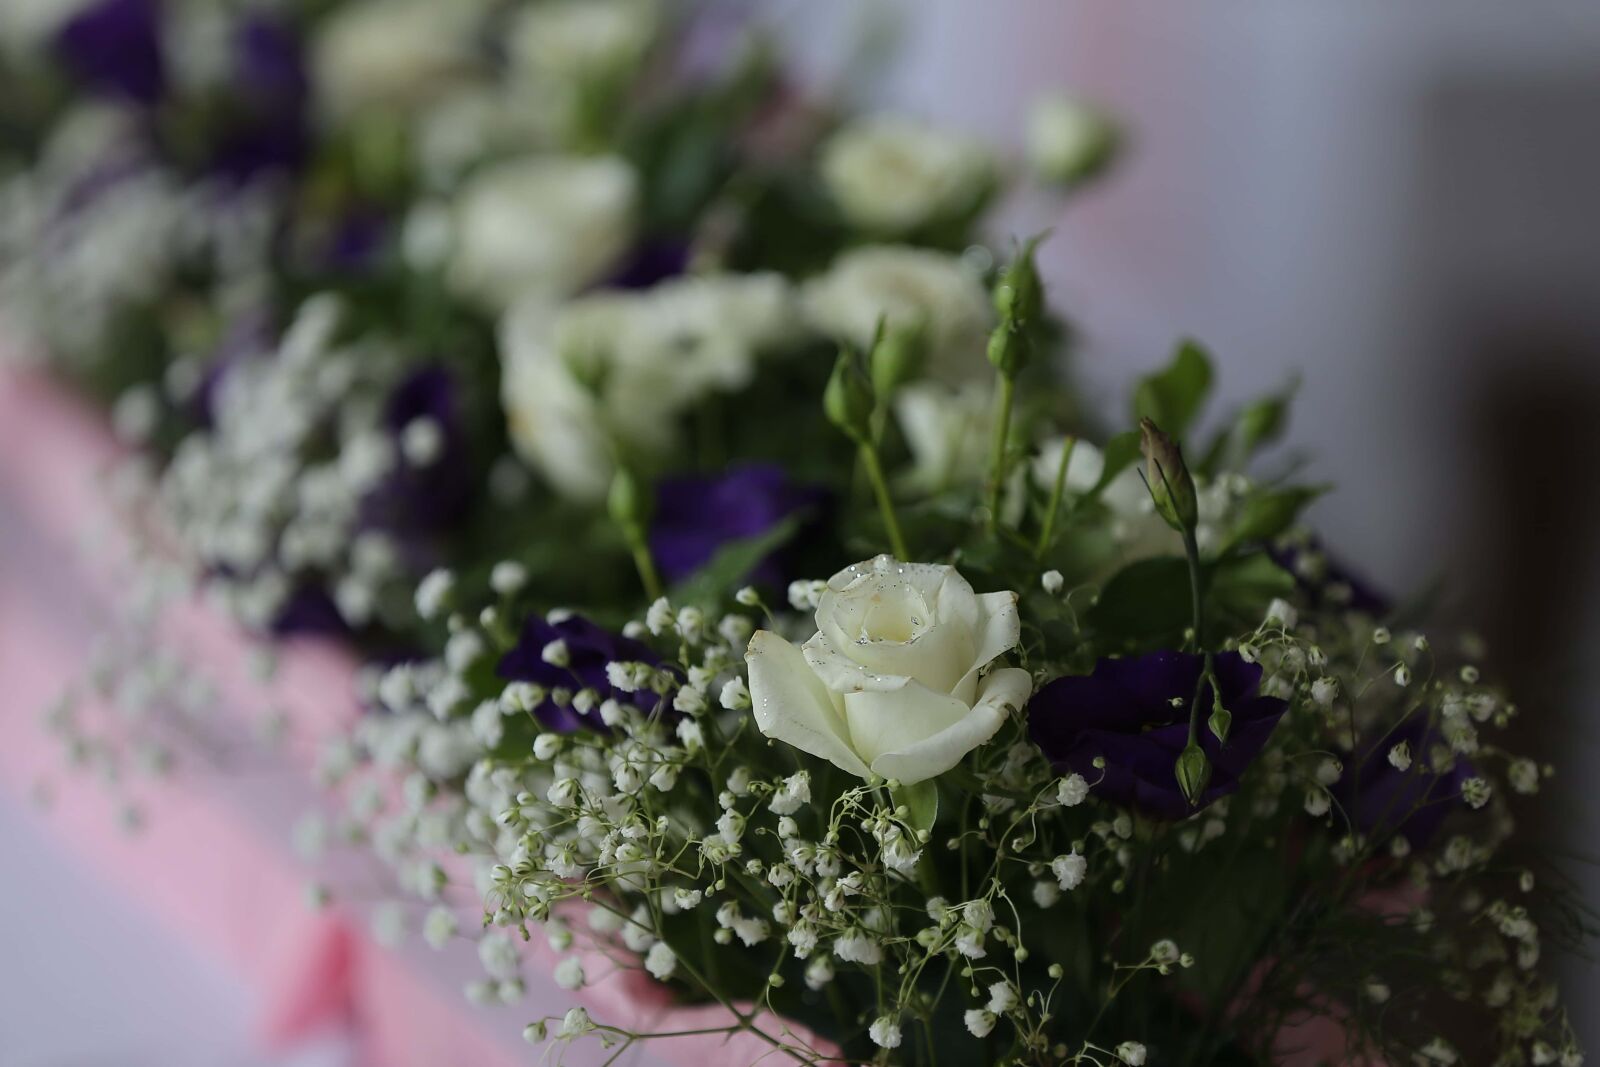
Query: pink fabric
(199, 863)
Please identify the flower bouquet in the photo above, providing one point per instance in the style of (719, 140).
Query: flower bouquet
(554, 368)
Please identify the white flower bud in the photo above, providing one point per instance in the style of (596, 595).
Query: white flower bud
(433, 593)
(735, 695)
(1072, 790)
(508, 577)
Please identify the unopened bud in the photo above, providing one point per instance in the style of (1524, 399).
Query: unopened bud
(1008, 350)
(847, 401)
(1018, 296)
(897, 356)
(1194, 773)
(1168, 478)
(1221, 722)
(1068, 140)
(628, 502)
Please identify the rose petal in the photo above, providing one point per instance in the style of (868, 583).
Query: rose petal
(897, 719)
(840, 673)
(792, 705)
(1001, 626)
(934, 755)
(914, 620)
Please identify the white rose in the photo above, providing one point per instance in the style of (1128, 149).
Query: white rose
(704, 332)
(468, 124)
(573, 40)
(541, 226)
(1067, 140)
(1125, 495)
(889, 685)
(893, 174)
(24, 24)
(387, 54)
(906, 287)
(620, 368)
(947, 431)
(1139, 532)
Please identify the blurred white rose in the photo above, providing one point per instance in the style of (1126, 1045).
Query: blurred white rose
(907, 287)
(1067, 139)
(24, 24)
(1125, 495)
(393, 54)
(618, 369)
(889, 685)
(582, 40)
(947, 431)
(470, 123)
(541, 227)
(1139, 532)
(893, 174)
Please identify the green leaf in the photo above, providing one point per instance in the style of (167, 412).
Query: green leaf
(922, 800)
(1145, 603)
(1259, 423)
(1242, 587)
(1120, 453)
(1268, 514)
(732, 564)
(1172, 396)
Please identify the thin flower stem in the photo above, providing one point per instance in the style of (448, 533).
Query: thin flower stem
(880, 489)
(1047, 533)
(645, 562)
(997, 447)
(1191, 549)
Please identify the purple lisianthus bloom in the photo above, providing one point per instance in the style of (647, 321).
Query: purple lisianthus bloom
(114, 46)
(1382, 800)
(589, 649)
(697, 514)
(271, 132)
(427, 492)
(651, 262)
(355, 242)
(1134, 714)
(309, 610)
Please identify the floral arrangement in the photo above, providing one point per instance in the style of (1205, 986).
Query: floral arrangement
(551, 365)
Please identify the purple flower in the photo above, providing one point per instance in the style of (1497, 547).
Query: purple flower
(1134, 713)
(651, 262)
(697, 514)
(270, 132)
(309, 610)
(115, 47)
(589, 649)
(1382, 800)
(430, 495)
(354, 244)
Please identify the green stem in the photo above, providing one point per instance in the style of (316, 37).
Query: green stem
(997, 447)
(645, 562)
(880, 489)
(1056, 492)
(1191, 549)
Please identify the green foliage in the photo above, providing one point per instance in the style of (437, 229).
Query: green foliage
(1268, 514)
(730, 567)
(1173, 396)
